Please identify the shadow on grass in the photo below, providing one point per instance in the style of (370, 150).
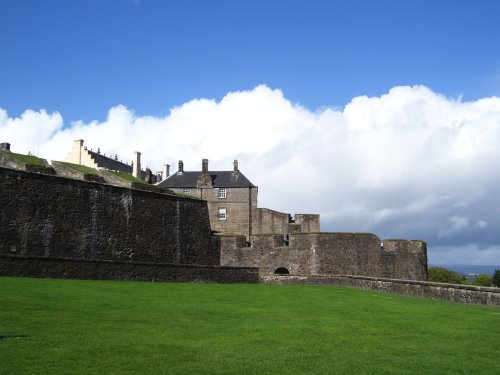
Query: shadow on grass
(12, 336)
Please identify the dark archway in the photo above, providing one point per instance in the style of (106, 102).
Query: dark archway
(282, 271)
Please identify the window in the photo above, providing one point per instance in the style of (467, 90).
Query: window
(221, 214)
(222, 193)
(186, 191)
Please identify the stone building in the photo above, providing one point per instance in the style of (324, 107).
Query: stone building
(232, 202)
(81, 155)
(59, 224)
(231, 197)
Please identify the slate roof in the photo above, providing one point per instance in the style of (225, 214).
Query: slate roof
(108, 163)
(220, 179)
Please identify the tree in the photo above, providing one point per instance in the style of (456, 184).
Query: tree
(482, 280)
(496, 278)
(443, 275)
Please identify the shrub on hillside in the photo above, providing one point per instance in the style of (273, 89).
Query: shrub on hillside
(495, 281)
(482, 280)
(443, 275)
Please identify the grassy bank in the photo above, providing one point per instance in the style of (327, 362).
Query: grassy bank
(107, 327)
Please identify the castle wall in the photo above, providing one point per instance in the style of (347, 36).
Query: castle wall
(329, 254)
(56, 217)
(61, 268)
(347, 253)
(308, 222)
(440, 291)
(268, 221)
(405, 259)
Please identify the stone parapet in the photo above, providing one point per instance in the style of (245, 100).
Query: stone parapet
(329, 254)
(59, 217)
(64, 268)
(440, 291)
(9, 161)
(64, 170)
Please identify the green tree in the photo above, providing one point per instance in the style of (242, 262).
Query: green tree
(496, 278)
(482, 280)
(443, 275)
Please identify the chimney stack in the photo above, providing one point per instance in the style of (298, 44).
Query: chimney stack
(5, 146)
(78, 144)
(204, 166)
(166, 170)
(204, 179)
(136, 170)
(181, 167)
(235, 166)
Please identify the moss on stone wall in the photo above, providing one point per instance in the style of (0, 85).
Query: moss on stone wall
(82, 168)
(128, 177)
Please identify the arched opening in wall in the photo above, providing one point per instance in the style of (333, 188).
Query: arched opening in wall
(281, 271)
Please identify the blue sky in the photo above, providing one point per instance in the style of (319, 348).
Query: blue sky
(382, 116)
(82, 57)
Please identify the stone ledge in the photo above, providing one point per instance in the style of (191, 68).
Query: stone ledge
(70, 268)
(441, 291)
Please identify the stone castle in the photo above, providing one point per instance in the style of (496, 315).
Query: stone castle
(61, 219)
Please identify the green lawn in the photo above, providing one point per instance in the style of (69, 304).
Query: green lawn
(108, 327)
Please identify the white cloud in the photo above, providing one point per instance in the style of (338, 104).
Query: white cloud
(481, 224)
(411, 163)
(456, 224)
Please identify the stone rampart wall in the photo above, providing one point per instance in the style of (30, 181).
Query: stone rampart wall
(56, 217)
(440, 291)
(329, 254)
(266, 221)
(308, 222)
(59, 268)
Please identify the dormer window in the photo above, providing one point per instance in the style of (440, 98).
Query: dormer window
(222, 193)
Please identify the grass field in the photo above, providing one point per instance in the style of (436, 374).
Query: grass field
(108, 327)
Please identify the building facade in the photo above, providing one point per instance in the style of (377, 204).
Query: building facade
(231, 197)
(232, 203)
(81, 155)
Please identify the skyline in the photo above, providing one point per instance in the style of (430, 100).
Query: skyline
(381, 117)
(81, 58)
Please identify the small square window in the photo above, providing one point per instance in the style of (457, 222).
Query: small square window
(186, 191)
(222, 193)
(221, 214)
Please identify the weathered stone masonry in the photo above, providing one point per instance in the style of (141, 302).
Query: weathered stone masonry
(56, 218)
(328, 254)
(440, 291)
